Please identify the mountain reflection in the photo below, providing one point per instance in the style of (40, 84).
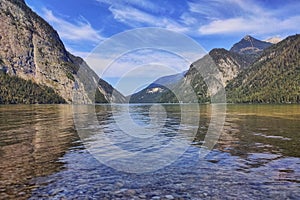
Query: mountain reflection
(261, 129)
(33, 138)
(41, 153)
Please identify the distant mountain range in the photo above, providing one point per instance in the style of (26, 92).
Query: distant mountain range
(35, 67)
(274, 40)
(252, 71)
(152, 93)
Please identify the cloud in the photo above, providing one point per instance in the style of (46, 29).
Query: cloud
(187, 19)
(144, 46)
(136, 13)
(142, 58)
(137, 18)
(256, 25)
(131, 16)
(145, 4)
(205, 17)
(81, 30)
(229, 26)
(242, 17)
(82, 54)
(136, 69)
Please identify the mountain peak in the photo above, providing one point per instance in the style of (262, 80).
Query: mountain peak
(249, 45)
(248, 38)
(31, 50)
(274, 40)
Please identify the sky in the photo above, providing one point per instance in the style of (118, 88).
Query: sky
(84, 25)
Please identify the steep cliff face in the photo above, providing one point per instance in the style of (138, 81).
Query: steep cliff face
(228, 63)
(32, 50)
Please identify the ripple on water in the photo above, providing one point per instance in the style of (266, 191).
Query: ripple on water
(43, 158)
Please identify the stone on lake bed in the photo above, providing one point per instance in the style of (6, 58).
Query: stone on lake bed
(155, 197)
(130, 192)
(169, 196)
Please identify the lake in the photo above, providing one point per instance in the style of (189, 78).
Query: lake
(149, 152)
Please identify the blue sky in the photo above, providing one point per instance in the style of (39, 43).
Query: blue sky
(83, 24)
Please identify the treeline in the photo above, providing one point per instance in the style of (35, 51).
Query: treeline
(14, 90)
(274, 78)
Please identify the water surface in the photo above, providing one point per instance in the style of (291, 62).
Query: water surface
(256, 157)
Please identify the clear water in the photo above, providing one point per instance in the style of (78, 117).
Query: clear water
(256, 157)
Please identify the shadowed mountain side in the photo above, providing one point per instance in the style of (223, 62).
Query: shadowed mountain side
(252, 71)
(32, 50)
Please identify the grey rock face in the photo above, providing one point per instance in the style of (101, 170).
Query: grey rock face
(31, 49)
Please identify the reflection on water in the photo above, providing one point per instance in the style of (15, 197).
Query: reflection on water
(256, 157)
(257, 128)
(131, 140)
(32, 139)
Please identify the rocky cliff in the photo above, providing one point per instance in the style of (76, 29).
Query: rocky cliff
(208, 75)
(31, 49)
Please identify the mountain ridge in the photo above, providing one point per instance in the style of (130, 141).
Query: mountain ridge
(228, 62)
(153, 91)
(249, 45)
(273, 78)
(32, 50)
(235, 68)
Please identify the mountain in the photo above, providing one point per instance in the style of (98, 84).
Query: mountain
(32, 53)
(153, 92)
(168, 80)
(249, 45)
(273, 78)
(215, 69)
(273, 40)
(251, 72)
(15, 90)
(191, 82)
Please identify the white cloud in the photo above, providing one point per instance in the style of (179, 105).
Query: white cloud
(145, 4)
(136, 69)
(130, 61)
(206, 18)
(227, 26)
(187, 19)
(131, 15)
(136, 18)
(79, 31)
(257, 25)
(252, 19)
(135, 13)
(82, 54)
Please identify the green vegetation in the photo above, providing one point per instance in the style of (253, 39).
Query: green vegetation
(274, 78)
(199, 89)
(70, 76)
(165, 96)
(99, 97)
(14, 90)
